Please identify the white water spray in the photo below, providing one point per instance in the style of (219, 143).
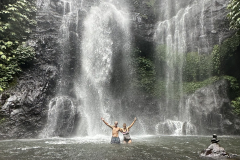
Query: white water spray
(92, 87)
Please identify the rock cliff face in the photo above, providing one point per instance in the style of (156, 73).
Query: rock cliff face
(24, 107)
(204, 23)
(210, 110)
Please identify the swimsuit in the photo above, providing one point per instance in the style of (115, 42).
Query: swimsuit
(126, 136)
(115, 140)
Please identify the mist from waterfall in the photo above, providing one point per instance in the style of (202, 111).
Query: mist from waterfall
(182, 28)
(105, 33)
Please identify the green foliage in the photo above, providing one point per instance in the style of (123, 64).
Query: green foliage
(236, 105)
(145, 72)
(191, 87)
(233, 82)
(160, 88)
(17, 21)
(221, 53)
(2, 120)
(161, 51)
(234, 14)
(151, 3)
(196, 67)
(187, 88)
(11, 63)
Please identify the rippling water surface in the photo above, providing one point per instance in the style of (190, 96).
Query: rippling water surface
(99, 148)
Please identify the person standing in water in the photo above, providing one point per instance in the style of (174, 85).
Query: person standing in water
(125, 132)
(115, 129)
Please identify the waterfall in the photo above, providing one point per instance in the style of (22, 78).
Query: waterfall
(62, 112)
(106, 33)
(61, 118)
(94, 63)
(183, 27)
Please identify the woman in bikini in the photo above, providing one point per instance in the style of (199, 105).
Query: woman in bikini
(125, 132)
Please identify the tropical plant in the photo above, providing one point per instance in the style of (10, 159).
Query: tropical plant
(17, 19)
(236, 105)
(222, 53)
(145, 74)
(234, 14)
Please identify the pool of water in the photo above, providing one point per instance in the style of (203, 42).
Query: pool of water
(99, 148)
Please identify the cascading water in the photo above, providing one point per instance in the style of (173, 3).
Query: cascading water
(99, 44)
(182, 28)
(61, 117)
(62, 112)
(102, 44)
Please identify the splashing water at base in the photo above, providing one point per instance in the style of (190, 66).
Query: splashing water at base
(176, 128)
(61, 118)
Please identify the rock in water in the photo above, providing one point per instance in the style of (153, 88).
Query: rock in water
(214, 151)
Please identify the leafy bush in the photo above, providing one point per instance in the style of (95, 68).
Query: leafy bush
(236, 105)
(17, 21)
(145, 74)
(191, 87)
(196, 67)
(234, 14)
(222, 53)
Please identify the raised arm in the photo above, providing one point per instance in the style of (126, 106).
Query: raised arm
(132, 123)
(121, 129)
(106, 123)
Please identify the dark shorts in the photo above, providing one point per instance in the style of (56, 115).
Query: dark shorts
(115, 140)
(126, 140)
